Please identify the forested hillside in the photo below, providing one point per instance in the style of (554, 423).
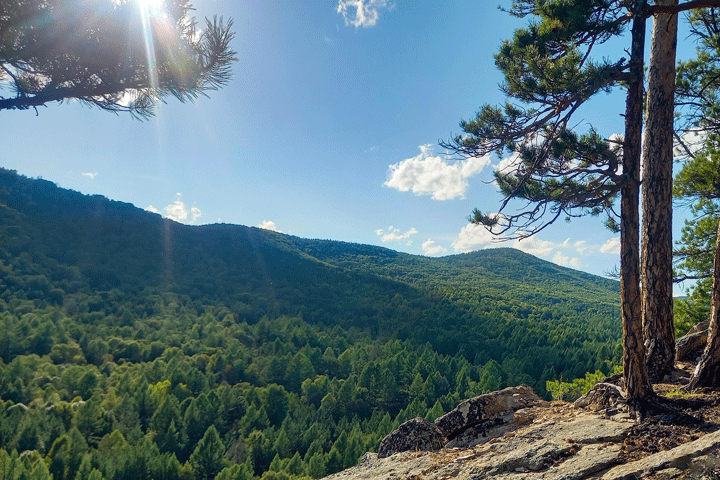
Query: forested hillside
(132, 346)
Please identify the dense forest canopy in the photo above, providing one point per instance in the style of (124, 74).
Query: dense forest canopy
(131, 344)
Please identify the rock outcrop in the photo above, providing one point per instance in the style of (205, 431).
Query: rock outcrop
(536, 441)
(473, 422)
(479, 419)
(414, 435)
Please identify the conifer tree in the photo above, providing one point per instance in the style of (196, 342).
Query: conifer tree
(235, 472)
(207, 458)
(435, 412)
(550, 72)
(316, 466)
(121, 56)
(295, 465)
(698, 184)
(657, 276)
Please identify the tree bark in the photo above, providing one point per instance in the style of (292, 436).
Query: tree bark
(657, 284)
(637, 382)
(707, 372)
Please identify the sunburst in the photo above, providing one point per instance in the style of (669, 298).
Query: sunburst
(151, 6)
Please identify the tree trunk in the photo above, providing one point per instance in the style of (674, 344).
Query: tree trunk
(657, 286)
(707, 372)
(637, 382)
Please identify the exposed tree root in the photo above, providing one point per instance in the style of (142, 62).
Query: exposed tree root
(610, 396)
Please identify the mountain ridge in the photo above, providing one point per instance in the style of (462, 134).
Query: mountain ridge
(122, 330)
(504, 298)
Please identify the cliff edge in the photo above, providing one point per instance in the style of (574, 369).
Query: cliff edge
(513, 434)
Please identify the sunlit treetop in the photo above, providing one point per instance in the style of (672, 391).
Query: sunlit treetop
(118, 55)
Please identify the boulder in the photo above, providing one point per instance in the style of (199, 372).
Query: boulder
(487, 412)
(603, 396)
(414, 435)
(690, 346)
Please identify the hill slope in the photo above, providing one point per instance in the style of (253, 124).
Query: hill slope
(129, 342)
(487, 305)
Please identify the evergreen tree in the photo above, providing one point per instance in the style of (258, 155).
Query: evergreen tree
(698, 183)
(66, 455)
(657, 248)
(235, 472)
(207, 458)
(295, 465)
(105, 62)
(316, 466)
(276, 464)
(435, 412)
(90, 420)
(276, 401)
(698, 186)
(85, 469)
(549, 73)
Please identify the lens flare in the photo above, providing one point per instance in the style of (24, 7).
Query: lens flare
(151, 6)
(149, 9)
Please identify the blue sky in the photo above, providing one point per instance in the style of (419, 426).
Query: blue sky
(329, 129)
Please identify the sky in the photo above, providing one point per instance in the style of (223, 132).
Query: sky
(329, 129)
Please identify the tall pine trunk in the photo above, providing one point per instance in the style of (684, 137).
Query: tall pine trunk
(707, 372)
(657, 286)
(637, 382)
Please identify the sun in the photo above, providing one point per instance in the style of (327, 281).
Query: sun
(151, 6)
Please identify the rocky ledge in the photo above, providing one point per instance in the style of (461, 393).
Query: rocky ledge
(513, 434)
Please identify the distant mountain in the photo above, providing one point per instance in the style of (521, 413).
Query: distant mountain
(143, 348)
(541, 319)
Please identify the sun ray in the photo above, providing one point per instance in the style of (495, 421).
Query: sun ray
(147, 9)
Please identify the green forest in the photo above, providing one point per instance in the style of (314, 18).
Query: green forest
(132, 346)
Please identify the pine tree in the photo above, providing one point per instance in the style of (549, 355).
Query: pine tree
(657, 248)
(550, 73)
(435, 412)
(316, 467)
(235, 472)
(295, 465)
(698, 184)
(207, 458)
(105, 62)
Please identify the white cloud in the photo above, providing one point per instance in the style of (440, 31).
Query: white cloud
(476, 237)
(694, 141)
(430, 248)
(508, 164)
(178, 212)
(90, 175)
(362, 13)
(473, 237)
(269, 225)
(566, 261)
(426, 174)
(581, 247)
(535, 246)
(393, 235)
(611, 246)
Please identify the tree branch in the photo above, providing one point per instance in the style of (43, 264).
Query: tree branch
(683, 7)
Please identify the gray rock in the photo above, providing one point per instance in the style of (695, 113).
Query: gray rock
(588, 460)
(484, 432)
(602, 396)
(693, 343)
(585, 429)
(531, 456)
(679, 456)
(483, 412)
(414, 435)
